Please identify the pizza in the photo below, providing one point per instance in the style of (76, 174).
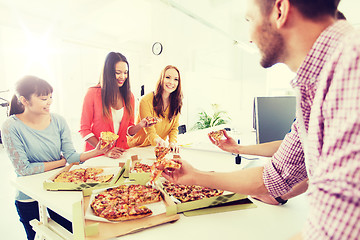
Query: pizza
(160, 152)
(159, 166)
(217, 135)
(82, 175)
(152, 120)
(186, 193)
(75, 176)
(141, 167)
(161, 163)
(125, 202)
(107, 138)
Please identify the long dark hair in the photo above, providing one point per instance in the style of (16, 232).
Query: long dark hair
(175, 97)
(26, 87)
(109, 85)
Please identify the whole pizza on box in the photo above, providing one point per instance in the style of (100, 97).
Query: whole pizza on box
(125, 202)
(84, 175)
(188, 193)
(76, 177)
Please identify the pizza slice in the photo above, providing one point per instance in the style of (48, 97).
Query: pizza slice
(77, 175)
(100, 179)
(171, 164)
(136, 212)
(63, 177)
(160, 152)
(152, 120)
(91, 172)
(107, 138)
(159, 166)
(141, 168)
(217, 135)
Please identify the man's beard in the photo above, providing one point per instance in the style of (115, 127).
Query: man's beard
(272, 46)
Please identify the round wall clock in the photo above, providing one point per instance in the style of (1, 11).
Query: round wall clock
(157, 48)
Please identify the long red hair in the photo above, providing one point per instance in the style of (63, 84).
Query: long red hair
(175, 97)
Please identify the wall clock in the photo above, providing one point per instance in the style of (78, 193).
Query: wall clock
(157, 48)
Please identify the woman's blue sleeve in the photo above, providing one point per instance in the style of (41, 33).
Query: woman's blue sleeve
(12, 140)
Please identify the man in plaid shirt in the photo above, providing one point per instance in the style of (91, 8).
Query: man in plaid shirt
(324, 143)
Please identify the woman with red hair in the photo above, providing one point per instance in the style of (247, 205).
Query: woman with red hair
(164, 103)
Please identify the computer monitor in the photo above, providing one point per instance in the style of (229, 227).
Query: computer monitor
(273, 117)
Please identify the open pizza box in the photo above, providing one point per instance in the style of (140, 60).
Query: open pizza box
(225, 202)
(228, 201)
(96, 228)
(49, 184)
(141, 176)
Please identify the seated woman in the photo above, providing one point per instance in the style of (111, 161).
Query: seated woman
(38, 141)
(109, 106)
(165, 103)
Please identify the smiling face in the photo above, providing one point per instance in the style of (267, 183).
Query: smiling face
(39, 104)
(171, 80)
(121, 73)
(264, 35)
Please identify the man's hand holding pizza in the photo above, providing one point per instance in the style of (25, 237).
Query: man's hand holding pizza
(227, 144)
(185, 175)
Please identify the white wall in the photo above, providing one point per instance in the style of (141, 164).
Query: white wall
(213, 69)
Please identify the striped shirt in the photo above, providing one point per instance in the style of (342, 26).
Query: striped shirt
(327, 135)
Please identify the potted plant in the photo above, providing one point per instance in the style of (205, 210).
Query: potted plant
(215, 118)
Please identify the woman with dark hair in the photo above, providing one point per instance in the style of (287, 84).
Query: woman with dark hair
(38, 141)
(109, 106)
(165, 103)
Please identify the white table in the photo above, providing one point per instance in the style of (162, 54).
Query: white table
(263, 222)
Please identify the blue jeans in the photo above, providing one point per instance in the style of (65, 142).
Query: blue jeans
(30, 210)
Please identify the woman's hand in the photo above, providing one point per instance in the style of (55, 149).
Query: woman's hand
(115, 152)
(160, 142)
(108, 151)
(62, 161)
(144, 123)
(174, 147)
(54, 164)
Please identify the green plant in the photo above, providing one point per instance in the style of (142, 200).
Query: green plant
(207, 120)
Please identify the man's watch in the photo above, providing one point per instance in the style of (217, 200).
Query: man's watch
(281, 201)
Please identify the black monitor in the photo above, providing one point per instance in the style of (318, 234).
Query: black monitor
(273, 117)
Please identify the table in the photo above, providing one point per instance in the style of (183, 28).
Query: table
(263, 222)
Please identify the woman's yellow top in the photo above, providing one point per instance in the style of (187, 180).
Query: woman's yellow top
(163, 129)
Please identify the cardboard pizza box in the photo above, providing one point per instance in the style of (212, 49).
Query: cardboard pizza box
(225, 199)
(95, 230)
(142, 176)
(49, 184)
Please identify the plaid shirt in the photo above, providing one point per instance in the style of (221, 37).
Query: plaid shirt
(327, 135)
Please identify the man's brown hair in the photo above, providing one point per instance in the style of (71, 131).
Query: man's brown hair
(312, 9)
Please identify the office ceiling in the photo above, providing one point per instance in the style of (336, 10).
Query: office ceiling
(133, 20)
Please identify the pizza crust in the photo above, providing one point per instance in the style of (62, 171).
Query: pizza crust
(217, 135)
(82, 175)
(107, 138)
(126, 202)
(152, 120)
